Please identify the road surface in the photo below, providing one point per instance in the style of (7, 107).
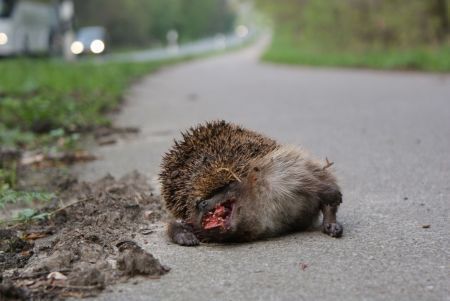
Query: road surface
(389, 136)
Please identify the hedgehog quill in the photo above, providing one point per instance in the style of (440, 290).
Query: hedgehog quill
(225, 183)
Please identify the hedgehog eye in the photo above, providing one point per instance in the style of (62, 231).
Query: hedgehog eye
(202, 205)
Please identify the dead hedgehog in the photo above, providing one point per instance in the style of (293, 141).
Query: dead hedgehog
(224, 183)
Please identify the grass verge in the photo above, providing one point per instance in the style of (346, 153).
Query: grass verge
(45, 104)
(284, 50)
(39, 95)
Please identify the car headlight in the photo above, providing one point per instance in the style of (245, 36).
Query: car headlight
(3, 38)
(97, 46)
(77, 47)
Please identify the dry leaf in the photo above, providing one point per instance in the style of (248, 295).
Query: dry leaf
(35, 235)
(32, 159)
(148, 214)
(56, 276)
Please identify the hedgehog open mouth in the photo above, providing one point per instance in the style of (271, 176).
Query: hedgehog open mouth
(219, 216)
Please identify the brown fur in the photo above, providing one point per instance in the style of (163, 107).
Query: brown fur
(277, 188)
(205, 160)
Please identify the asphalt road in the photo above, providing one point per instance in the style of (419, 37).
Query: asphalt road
(389, 136)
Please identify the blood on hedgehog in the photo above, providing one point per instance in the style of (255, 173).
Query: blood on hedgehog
(224, 183)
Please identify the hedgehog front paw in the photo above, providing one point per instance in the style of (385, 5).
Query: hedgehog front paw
(186, 239)
(333, 229)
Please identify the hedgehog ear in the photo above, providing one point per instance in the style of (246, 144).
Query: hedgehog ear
(255, 174)
(252, 177)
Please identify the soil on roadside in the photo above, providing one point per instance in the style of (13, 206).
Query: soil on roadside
(87, 242)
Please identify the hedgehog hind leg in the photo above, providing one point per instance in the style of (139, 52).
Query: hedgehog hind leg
(330, 198)
(330, 195)
(182, 233)
(330, 225)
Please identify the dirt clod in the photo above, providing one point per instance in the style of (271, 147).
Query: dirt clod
(86, 275)
(14, 251)
(136, 261)
(10, 292)
(9, 154)
(88, 241)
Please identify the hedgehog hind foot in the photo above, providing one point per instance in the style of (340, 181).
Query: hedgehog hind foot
(333, 229)
(330, 225)
(182, 233)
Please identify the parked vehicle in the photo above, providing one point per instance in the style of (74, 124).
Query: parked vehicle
(91, 39)
(32, 27)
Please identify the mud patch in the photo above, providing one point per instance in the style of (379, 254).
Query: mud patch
(86, 244)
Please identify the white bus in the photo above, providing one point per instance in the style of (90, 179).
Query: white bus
(28, 27)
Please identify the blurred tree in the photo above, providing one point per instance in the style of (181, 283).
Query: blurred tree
(439, 9)
(163, 16)
(140, 22)
(361, 23)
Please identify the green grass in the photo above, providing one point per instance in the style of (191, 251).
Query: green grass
(10, 196)
(44, 100)
(45, 104)
(284, 50)
(40, 95)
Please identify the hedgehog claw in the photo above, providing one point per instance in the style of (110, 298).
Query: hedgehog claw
(186, 239)
(181, 233)
(333, 229)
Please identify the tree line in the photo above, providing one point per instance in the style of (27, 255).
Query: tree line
(379, 24)
(143, 22)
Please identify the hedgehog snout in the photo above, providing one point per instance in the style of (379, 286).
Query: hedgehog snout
(217, 211)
